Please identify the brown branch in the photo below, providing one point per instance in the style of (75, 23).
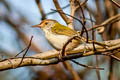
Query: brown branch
(53, 11)
(84, 22)
(41, 9)
(108, 21)
(26, 51)
(93, 38)
(51, 57)
(73, 9)
(98, 16)
(81, 3)
(68, 21)
(110, 12)
(49, 13)
(89, 67)
(65, 18)
(72, 71)
(115, 3)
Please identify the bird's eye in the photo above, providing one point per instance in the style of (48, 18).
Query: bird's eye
(46, 23)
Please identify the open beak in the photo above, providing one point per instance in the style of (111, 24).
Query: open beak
(38, 25)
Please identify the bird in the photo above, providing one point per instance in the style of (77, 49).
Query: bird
(58, 34)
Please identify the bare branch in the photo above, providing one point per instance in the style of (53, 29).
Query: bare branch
(114, 2)
(108, 21)
(41, 9)
(65, 18)
(51, 57)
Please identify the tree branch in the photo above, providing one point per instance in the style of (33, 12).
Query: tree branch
(51, 57)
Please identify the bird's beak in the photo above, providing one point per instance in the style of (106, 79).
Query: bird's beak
(38, 25)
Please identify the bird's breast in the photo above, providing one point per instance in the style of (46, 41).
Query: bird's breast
(57, 41)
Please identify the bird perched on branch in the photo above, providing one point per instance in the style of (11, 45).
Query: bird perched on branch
(58, 34)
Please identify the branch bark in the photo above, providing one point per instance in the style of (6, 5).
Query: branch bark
(51, 57)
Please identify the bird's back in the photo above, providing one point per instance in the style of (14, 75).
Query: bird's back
(63, 30)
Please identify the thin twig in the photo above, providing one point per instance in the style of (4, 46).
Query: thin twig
(72, 71)
(115, 3)
(90, 67)
(93, 32)
(26, 51)
(20, 52)
(112, 55)
(49, 13)
(98, 16)
(53, 10)
(93, 38)
(108, 21)
(41, 9)
(82, 4)
(65, 18)
(84, 22)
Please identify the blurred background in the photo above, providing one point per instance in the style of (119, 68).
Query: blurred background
(16, 20)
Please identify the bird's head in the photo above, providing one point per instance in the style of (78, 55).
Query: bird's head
(46, 24)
